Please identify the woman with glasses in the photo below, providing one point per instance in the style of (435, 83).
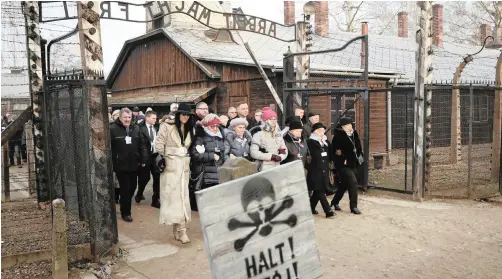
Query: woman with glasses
(208, 154)
(267, 146)
(172, 142)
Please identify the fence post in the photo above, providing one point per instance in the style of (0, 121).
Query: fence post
(497, 125)
(236, 168)
(59, 240)
(6, 179)
(469, 152)
(30, 155)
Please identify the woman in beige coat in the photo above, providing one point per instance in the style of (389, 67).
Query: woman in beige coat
(172, 142)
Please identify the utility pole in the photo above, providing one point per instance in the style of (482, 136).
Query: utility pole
(304, 32)
(102, 214)
(35, 69)
(423, 76)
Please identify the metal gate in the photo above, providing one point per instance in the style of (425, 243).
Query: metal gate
(340, 95)
(68, 149)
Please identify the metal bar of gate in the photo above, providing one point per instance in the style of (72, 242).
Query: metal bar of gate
(406, 142)
(469, 152)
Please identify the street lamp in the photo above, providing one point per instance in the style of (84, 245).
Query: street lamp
(308, 10)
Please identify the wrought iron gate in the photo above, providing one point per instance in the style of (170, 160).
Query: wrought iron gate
(68, 149)
(343, 95)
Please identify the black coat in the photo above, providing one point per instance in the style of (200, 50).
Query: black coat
(295, 148)
(205, 161)
(127, 157)
(146, 135)
(343, 149)
(318, 169)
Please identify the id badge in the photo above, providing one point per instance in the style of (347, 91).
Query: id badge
(324, 154)
(300, 156)
(245, 155)
(216, 149)
(128, 140)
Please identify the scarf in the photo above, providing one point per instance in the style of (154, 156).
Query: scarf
(217, 134)
(322, 140)
(350, 133)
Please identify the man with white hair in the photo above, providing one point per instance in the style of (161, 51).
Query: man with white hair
(172, 111)
(129, 151)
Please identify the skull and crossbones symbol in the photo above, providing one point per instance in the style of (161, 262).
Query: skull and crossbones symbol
(257, 193)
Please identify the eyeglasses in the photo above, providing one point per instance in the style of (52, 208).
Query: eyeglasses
(272, 119)
(214, 126)
(203, 108)
(232, 112)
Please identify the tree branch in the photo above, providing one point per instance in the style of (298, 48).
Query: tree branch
(353, 17)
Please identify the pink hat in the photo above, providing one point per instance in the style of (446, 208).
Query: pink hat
(268, 113)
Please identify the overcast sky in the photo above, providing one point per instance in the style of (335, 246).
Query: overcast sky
(114, 33)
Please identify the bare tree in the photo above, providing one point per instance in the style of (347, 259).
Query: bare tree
(463, 20)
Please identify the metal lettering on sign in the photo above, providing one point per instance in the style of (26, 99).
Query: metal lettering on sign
(195, 10)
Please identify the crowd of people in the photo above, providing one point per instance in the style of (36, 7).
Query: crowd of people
(183, 151)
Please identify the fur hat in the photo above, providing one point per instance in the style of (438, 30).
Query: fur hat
(239, 121)
(135, 109)
(295, 124)
(184, 108)
(317, 126)
(267, 114)
(345, 121)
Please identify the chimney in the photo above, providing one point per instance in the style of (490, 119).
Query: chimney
(437, 25)
(484, 31)
(364, 31)
(321, 18)
(402, 24)
(289, 12)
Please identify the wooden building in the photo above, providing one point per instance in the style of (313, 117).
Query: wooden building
(154, 70)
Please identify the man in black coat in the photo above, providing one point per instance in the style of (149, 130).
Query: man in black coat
(149, 133)
(348, 155)
(129, 151)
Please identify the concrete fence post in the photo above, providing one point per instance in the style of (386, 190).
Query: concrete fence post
(59, 240)
(236, 168)
(30, 155)
(5, 172)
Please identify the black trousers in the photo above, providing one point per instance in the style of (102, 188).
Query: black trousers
(319, 196)
(128, 183)
(348, 182)
(13, 153)
(144, 178)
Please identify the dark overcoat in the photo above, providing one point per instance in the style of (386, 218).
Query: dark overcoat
(318, 169)
(343, 149)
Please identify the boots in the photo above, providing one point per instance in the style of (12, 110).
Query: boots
(175, 232)
(180, 233)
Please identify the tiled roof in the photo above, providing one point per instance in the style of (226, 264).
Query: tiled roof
(387, 54)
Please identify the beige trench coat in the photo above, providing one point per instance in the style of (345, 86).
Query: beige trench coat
(174, 198)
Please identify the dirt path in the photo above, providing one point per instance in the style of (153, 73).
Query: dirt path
(392, 239)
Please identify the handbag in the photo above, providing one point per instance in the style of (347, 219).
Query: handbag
(197, 182)
(332, 185)
(160, 163)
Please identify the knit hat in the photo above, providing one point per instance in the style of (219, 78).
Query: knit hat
(345, 121)
(317, 126)
(295, 124)
(135, 109)
(238, 121)
(268, 113)
(313, 114)
(184, 108)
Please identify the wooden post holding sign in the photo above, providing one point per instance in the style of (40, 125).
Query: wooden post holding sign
(260, 226)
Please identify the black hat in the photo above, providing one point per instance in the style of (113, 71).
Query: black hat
(184, 108)
(345, 121)
(135, 109)
(291, 118)
(313, 114)
(317, 126)
(295, 124)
